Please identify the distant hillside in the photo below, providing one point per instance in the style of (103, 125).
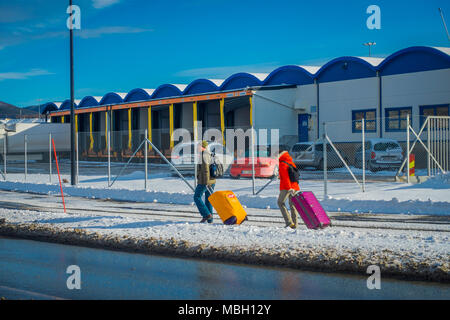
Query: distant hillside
(34, 108)
(9, 111)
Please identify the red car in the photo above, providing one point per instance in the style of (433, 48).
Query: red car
(265, 167)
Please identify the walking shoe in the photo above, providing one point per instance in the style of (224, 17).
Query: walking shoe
(204, 219)
(209, 218)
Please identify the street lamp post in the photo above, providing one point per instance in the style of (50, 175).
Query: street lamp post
(72, 112)
(369, 44)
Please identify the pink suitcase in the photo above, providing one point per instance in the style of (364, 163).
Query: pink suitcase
(310, 210)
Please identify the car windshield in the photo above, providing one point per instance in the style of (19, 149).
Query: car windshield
(300, 147)
(319, 147)
(383, 146)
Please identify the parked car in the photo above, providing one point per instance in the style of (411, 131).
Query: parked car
(265, 166)
(183, 156)
(380, 154)
(310, 154)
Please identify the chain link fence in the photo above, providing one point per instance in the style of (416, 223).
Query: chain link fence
(348, 153)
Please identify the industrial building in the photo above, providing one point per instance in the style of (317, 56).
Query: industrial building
(294, 99)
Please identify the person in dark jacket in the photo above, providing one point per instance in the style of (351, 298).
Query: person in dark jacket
(204, 184)
(287, 190)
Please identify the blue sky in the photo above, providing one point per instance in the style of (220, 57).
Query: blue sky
(124, 44)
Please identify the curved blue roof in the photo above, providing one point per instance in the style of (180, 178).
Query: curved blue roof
(413, 59)
(345, 68)
(111, 98)
(289, 75)
(66, 105)
(166, 90)
(49, 107)
(88, 101)
(200, 86)
(137, 94)
(239, 81)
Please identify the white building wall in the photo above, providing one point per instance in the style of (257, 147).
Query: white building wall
(414, 90)
(274, 109)
(305, 101)
(337, 101)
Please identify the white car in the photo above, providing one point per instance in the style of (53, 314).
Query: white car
(183, 156)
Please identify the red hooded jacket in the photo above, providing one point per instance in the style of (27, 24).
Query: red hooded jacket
(285, 182)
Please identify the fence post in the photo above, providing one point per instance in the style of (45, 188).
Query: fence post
(145, 160)
(407, 148)
(428, 153)
(363, 126)
(50, 156)
(325, 162)
(26, 160)
(253, 160)
(195, 162)
(446, 145)
(77, 156)
(108, 146)
(4, 155)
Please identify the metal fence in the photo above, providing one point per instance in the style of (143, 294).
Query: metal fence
(347, 152)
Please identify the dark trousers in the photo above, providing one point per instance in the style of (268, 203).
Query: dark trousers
(205, 207)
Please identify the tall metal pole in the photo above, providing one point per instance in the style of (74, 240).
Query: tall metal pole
(428, 153)
(145, 160)
(25, 142)
(325, 162)
(50, 157)
(407, 148)
(72, 112)
(363, 155)
(4, 154)
(108, 145)
(253, 160)
(443, 21)
(77, 136)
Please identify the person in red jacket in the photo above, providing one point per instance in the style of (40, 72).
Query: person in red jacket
(287, 190)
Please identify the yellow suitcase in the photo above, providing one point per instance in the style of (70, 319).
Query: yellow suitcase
(228, 207)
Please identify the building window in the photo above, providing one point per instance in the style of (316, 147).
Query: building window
(369, 117)
(437, 110)
(396, 118)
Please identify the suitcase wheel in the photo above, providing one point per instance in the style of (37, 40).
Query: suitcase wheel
(230, 221)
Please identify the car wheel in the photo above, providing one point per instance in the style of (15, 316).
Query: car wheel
(235, 177)
(370, 167)
(320, 166)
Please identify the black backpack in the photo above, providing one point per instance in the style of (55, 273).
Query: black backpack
(294, 173)
(215, 168)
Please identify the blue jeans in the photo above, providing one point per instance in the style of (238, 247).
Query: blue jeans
(205, 208)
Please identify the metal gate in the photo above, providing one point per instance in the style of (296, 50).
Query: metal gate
(434, 139)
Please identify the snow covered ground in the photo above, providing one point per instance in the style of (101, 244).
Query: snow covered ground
(415, 254)
(431, 197)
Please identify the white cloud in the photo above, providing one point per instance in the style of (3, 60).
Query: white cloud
(23, 75)
(95, 33)
(100, 4)
(226, 71)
